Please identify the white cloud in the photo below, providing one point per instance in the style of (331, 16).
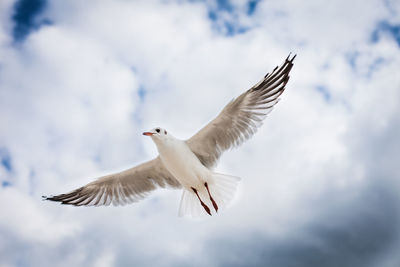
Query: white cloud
(27, 219)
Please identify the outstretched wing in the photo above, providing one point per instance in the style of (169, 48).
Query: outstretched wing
(239, 120)
(121, 188)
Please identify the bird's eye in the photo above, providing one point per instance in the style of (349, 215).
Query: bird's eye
(157, 130)
(165, 132)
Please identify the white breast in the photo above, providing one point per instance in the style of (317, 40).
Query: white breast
(183, 163)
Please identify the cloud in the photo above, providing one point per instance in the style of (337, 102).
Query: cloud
(319, 179)
(358, 234)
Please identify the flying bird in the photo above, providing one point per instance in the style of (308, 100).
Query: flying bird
(189, 164)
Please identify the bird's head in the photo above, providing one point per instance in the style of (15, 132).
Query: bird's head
(157, 134)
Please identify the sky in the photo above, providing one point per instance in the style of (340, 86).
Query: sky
(81, 80)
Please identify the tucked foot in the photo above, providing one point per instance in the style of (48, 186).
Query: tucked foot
(211, 198)
(206, 208)
(214, 204)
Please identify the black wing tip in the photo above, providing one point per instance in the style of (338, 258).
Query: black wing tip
(58, 199)
(67, 203)
(287, 60)
(50, 198)
(290, 60)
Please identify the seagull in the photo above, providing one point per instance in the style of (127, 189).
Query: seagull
(189, 164)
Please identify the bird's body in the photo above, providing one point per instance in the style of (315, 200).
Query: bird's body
(182, 163)
(199, 183)
(189, 164)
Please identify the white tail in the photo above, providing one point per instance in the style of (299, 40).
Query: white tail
(222, 189)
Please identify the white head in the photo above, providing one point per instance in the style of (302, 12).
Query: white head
(158, 134)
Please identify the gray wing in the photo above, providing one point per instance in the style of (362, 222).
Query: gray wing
(121, 188)
(239, 120)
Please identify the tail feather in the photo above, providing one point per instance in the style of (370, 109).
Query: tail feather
(190, 205)
(222, 188)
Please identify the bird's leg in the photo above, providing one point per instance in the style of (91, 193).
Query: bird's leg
(212, 200)
(201, 202)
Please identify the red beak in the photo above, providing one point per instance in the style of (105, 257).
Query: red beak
(147, 133)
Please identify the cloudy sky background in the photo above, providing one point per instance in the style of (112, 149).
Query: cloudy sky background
(81, 80)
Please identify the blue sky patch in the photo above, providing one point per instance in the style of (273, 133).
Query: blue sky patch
(384, 27)
(5, 159)
(5, 184)
(224, 5)
(224, 17)
(24, 17)
(251, 7)
(212, 15)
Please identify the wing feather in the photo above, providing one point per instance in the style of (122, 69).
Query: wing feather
(120, 188)
(241, 117)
